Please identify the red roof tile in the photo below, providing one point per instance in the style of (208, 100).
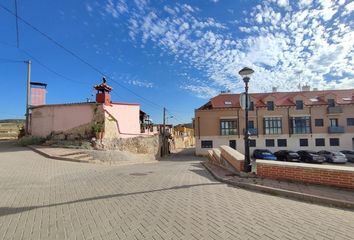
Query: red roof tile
(226, 100)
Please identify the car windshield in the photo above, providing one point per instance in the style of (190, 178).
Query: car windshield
(338, 154)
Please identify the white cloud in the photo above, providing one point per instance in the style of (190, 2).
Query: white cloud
(204, 92)
(302, 43)
(283, 3)
(349, 8)
(140, 83)
(116, 8)
(89, 8)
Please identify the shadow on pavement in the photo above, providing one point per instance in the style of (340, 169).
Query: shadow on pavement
(185, 154)
(9, 210)
(11, 146)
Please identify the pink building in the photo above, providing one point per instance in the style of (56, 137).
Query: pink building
(116, 120)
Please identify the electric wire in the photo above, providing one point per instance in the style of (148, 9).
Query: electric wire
(156, 105)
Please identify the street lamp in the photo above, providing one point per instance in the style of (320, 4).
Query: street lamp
(245, 74)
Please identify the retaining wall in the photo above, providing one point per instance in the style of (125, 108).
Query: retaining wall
(331, 175)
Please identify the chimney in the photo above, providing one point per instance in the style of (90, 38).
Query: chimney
(315, 89)
(306, 88)
(38, 92)
(103, 95)
(274, 89)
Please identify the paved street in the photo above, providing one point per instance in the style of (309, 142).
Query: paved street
(49, 199)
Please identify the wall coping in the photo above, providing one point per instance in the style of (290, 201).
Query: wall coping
(233, 153)
(306, 165)
(217, 152)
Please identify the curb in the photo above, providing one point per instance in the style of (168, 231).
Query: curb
(82, 161)
(285, 193)
(56, 157)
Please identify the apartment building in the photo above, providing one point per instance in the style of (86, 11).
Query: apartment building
(304, 120)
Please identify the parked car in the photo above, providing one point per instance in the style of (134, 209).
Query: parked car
(286, 155)
(349, 155)
(333, 157)
(311, 157)
(264, 154)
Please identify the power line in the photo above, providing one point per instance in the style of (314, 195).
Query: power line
(78, 57)
(17, 31)
(50, 69)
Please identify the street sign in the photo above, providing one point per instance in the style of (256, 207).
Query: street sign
(243, 101)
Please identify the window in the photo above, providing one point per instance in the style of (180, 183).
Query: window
(300, 125)
(270, 105)
(272, 125)
(304, 142)
(269, 142)
(299, 104)
(232, 144)
(319, 122)
(333, 122)
(251, 124)
(350, 121)
(207, 144)
(228, 127)
(282, 143)
(334, 141)
(228, 102)
(252, 142)
(251, 106)
(331, 102)
(320, 142)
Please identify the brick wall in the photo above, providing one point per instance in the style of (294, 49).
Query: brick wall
(338, 176)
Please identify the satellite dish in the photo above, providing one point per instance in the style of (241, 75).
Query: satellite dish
(243, 101)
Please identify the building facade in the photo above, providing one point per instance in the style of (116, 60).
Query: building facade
(306, 120)
(113, 119)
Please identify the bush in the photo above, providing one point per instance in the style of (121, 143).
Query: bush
(30, 140)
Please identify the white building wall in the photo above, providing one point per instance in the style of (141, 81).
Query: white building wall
(346, 141)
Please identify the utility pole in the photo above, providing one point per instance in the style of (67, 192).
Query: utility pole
(28, 97)
(164, 133)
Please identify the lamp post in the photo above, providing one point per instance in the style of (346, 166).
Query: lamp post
(245, 73)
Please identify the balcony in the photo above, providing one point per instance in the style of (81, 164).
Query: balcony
(334, 110)
(337, 129)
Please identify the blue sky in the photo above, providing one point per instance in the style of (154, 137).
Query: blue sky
(175, 54)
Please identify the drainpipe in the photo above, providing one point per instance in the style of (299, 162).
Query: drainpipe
(289, 123)
(257, 122)
(238, 122)
(199, 128)
(310, 110)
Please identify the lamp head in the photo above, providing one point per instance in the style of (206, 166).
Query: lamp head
(245, 71)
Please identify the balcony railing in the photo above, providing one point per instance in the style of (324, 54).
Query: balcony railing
(337, 129)
(336, 109)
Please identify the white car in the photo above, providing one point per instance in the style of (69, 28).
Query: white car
(333, 157)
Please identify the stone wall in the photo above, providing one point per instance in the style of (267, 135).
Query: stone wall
(140, 145)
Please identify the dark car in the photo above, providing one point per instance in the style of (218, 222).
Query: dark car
(286, 155)
(349, 155)
(311, 157)
(263, 154)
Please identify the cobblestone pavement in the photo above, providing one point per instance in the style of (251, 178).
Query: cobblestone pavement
(49, 199)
